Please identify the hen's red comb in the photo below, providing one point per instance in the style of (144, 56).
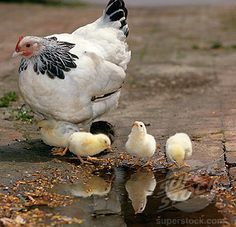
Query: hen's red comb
(17, 49)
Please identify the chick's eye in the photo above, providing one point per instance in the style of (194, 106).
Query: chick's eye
(28, 45)
(141, 126)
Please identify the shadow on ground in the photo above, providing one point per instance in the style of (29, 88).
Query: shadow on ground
(25, 151)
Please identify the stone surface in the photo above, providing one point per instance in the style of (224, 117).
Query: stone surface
(181, 79)
(176, 81)
(231, 157)
(233, 175)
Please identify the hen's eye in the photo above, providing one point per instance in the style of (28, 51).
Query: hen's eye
(27, 45)
(141, 126)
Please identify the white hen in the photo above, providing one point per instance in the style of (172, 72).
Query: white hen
(140, 143)
(76, 77)
(179, 147)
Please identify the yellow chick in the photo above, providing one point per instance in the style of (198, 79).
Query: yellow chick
(140, 143)
(86, 144)
(93, 185)
(139, 186)
(56, 133)
(178, 148)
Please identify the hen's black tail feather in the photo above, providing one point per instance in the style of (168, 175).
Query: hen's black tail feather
(103, 127)
(116, 11)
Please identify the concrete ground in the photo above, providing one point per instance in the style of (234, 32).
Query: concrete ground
(181, 79)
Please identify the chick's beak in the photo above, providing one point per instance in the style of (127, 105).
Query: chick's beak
(16, 54)
(109, 149)
(135, 124)
(137, 211)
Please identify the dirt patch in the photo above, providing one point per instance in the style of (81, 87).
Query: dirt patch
(171, 78)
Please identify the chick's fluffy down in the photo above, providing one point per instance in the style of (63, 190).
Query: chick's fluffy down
(86, 144)
(143, 148)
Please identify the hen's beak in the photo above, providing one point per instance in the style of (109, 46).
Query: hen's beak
(16, 54)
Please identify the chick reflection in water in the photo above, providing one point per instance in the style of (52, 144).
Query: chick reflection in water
(139, 186)
(93, 185)
(189, 193)
(175, 188)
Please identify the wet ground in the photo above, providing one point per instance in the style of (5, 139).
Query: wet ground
(181, 78)
(142, 198)
(110, 192)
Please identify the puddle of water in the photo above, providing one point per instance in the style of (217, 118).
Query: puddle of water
(113, 198)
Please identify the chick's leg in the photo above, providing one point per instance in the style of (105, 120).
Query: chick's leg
(161, 159)
(59, 151)
(181, 165)
(89, 158)
(186, 165)
(82, 161)
(148, 163)
(137, 163)
(170, 165)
